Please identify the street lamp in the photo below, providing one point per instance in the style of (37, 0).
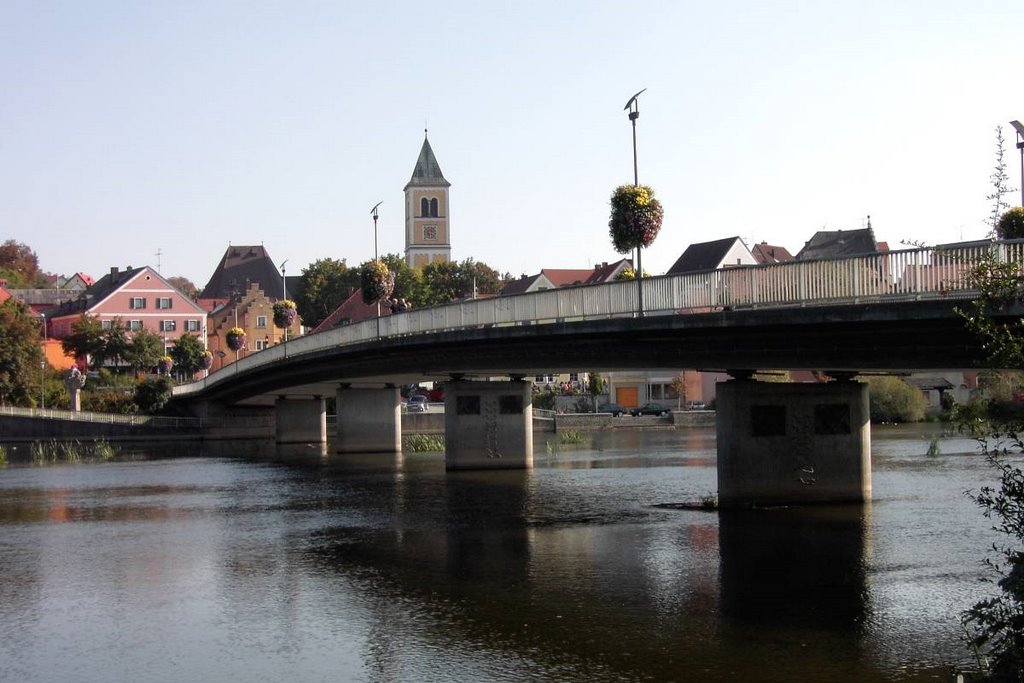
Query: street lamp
(1017, 126)
(633, 107)
(42, 368)
(284, 285)
(373, 212)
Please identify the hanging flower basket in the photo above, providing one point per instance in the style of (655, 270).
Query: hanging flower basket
(377, 282)
(636, 217)
(206, 360)
(236, 338)
(164, 365)
(284, 313)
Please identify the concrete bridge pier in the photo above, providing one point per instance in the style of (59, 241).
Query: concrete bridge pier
(488, 425)
(300, 420)
(793, 443)
(369, 420)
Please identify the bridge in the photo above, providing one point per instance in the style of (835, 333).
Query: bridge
(888, 311)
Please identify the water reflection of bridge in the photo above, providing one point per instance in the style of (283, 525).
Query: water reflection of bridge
(888, 311)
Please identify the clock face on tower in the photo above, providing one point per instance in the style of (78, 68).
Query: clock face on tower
(430, 232)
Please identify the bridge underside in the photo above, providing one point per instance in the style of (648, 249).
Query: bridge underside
(858, 338)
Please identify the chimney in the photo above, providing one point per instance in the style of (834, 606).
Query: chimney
(113, 271)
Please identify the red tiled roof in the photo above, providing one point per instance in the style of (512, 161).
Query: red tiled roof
(352, 310)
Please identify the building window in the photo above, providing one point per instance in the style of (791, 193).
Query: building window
(168, 325)
(106, 324)
(261, 344)
(137, 303)
(134, 325)
(192, 325)
(574, 377)
(163, 302)
(424, 207)
(433, 207)
(261, 321)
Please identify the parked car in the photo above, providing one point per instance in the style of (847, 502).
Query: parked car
(417, 404)
(650, 409)
(614, 408)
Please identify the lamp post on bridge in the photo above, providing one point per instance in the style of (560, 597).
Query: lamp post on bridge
(1019, 127)
(633, 107)
(373, 212)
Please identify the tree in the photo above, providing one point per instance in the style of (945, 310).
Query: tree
(86, 339)
(187, 353)
(596, 387)
(999, 180)
(115, 343)
(996, 624)
(20, 353)
(408, 283)
(893, 400)
(145, 351)
(1011, 224)
(152, 394)
(679, 386)
(325, 285)
(184, 285)
(447, 281)
(19, 265)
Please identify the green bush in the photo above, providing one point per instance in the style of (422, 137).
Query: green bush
(152, 394)
(893, 400)
(1011, 224)
(424, 443)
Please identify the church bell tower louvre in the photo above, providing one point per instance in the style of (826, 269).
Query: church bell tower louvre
(427, 231)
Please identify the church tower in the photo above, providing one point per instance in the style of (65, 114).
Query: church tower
(427, 236)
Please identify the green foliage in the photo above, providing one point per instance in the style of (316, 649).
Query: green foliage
(1011, 224)
(152, 394)
(19, 265)
(999, 180)
(324, 286)
(109, 401)
(116, 343)
(87, 338)
(544, 400)
(635, 217)
(995, 625)
(20, 353)
(145, 351)
(184, 285)
(570, 436)
(424, 443)
(894, 401)
(3, 456)
(408, 284)
(188, 354)
(447, 281)
(53, 451)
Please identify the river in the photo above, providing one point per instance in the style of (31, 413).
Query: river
(254, 565)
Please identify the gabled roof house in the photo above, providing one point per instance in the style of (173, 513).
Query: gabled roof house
(838, 243)
(766, 254)
(723, 253)
(241, 266)
(140, 298)
(352, 310)
(552, 278)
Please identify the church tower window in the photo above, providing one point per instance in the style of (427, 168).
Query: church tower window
(424, 207)
(433, 207)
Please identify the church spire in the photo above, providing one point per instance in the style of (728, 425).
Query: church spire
(427, 172)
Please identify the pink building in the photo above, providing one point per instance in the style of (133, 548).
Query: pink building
(140, 298)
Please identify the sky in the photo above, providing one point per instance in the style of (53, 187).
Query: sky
(159, 133)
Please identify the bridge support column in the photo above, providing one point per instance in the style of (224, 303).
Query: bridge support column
(369, 420)
(488, 425)
(300, 420)
(783, 443)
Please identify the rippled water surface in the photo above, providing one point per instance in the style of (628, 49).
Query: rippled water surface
(297, 567)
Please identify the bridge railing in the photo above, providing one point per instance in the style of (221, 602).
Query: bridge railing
(891, 276)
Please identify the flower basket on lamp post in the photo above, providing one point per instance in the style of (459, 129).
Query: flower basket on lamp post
(164, 365)
(377, 282)
(207, 360)
(284, 315)
(236, 338)
(635, 221)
